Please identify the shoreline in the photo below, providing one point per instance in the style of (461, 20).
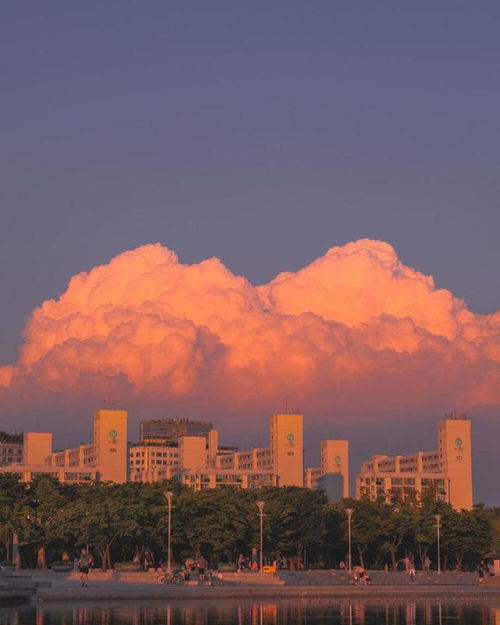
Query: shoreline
(146, 592)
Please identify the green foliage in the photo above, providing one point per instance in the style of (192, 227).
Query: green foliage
(120, 522)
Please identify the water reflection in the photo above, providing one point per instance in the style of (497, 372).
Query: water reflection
(271, 612)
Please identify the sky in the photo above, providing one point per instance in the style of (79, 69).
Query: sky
(262, 134)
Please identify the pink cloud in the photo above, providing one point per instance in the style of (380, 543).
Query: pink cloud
(356, 323)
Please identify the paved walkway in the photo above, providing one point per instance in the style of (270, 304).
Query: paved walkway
(307, 584)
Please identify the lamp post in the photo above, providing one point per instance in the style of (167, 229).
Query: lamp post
(168, 495)
(16, 559)
(349, 512)
(438, 532)
(260, 506)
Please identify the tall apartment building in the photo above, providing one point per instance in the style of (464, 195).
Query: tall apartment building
(103, 460)
(333, 473)
(111, 445)
(287, 448)
(448, 470)
(195, 461)
(200, 463)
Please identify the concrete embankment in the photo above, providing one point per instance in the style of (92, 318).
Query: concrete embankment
(111, 585)
(15, 588)
(143, 592)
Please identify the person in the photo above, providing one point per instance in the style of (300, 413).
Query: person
(357, 572)
(412, 572)
(202, 565)
(342, 566)
(480, 570)
(427, 564)
(407, 563)
(84, 564)
(187, 569)
(148, 559)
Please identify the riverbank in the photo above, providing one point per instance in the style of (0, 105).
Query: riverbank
(140, 586)
(110, 592)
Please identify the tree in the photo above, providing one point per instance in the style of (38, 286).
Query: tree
(12, 498)
(368, 526)
(218, 522)
(296, 520)
(45, 496)
(466, 536)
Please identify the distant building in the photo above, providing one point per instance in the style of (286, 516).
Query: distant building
(11, 448)
(104, 460)
(170, 430)
(333, 474)
(448, 470)
(199, 462)
(172, 451)
(287, 448)
(169, 450)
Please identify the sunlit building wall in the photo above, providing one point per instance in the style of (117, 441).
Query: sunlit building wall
(196, 461)
(106, 459)
(332, 475)
(287, 448)
(448, 470)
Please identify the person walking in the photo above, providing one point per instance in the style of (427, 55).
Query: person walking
(412, 572)
(84, 563)
(202, 565)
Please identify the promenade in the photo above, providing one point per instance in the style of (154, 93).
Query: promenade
(308, 584)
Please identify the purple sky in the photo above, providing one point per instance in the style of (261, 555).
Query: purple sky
(261, 133)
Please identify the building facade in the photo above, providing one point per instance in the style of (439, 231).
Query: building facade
(287, 448)
(170, 430)
(333, 473)
(169, 450)
(11, 449)
(106, 459)
(200, 463)
(448, 470)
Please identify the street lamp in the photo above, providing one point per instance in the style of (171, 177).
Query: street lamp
(16, 558)
(349, 512)
(260, 506)
(168, 495)
(438, 531)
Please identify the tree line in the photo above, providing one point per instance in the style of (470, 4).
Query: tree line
(118, 522)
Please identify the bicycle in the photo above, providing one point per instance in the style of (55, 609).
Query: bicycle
(172, 577)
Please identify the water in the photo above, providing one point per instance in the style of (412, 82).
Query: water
(260, 612)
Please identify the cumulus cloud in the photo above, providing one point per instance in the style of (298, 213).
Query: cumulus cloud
(355, 326)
